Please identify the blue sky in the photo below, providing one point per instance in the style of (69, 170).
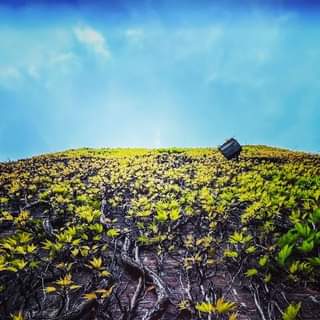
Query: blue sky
(155, 74)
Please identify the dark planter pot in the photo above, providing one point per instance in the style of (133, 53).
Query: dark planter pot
(231, 149)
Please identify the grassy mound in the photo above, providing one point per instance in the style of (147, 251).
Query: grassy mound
(160, 234)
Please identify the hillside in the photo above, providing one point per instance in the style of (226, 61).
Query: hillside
(160, 234)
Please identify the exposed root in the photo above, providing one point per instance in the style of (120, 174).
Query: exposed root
(144, 271)
(163, 296)
(257, 303)
(78, 312)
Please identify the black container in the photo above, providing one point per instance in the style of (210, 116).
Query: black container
(231, 149)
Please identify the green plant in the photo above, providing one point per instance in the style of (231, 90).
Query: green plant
(239, 237)
(291, 312)
(284, 254)
(251, 272)
(87, 213)
(221, 306)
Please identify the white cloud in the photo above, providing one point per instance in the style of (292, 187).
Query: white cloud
(63, 57)
(36, 55)
(9, 73)
(33, 72)
(134, 35)
(93, 40)
(57, 62)
(9, 77)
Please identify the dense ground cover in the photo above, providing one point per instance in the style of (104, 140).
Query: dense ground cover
(160, 234)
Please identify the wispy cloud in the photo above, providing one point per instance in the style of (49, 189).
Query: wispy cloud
(134, 35)
(33, 71)
(8, 73)
(93, 40)
(31, 55)
(9, 77)
(63, 57)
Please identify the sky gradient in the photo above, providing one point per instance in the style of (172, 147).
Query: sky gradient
(157, 74)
